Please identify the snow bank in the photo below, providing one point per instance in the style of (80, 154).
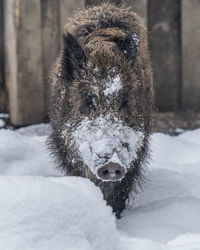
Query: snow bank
(40, 209)
(54, 213)
(23, 152)
(167, 211)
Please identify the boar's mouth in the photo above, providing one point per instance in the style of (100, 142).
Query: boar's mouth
(106, 146)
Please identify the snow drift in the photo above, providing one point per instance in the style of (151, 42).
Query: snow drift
(40, 209)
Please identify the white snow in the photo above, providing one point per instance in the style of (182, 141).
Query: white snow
(101, 140)
(24, 152)
(112, 85)
(135, 39)
(40, 210)
(168, 209)
(2, 123)
(54, 213)
(3, 115)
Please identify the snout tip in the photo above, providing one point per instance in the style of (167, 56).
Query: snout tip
(111, 172)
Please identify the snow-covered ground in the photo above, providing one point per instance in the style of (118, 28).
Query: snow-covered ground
(40, 209)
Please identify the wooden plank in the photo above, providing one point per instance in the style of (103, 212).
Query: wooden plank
(97, 2)
(3, 92)
(67, 8)
(165, 46)
(139, 6)
(1, 45)
(190, 54)
(50, 41)
(24, 61)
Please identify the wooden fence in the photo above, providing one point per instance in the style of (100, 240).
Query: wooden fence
(30, 33)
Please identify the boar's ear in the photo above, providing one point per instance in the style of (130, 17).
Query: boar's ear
(73, 56)
(130, 47)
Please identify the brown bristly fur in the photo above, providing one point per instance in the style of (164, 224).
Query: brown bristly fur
(102, 37)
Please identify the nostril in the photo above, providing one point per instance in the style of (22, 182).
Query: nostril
(117, 172)
(105, 172)
(125, 145)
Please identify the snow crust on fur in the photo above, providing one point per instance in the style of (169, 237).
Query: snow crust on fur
(135, 39)
(112, 85)
(101, 140)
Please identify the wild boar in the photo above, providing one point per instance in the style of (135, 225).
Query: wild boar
(102, 98)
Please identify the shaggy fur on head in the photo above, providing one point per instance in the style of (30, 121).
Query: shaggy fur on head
(99, 41)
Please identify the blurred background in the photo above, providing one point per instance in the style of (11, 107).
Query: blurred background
(29, 43)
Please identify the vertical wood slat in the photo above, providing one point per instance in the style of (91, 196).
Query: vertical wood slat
(165, 46)
(50, 42)
(54, 17)
(190, 54)
(1, 45)
(67, 8)
(97, 2)
(3, 92)
(24, 61)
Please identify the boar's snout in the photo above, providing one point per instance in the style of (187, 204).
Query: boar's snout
(111, 172)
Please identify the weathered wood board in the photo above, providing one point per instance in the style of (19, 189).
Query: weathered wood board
(3, 92)
(67, 8)
(50, 42)
(164, 23)
(23, 45)
(191, 54)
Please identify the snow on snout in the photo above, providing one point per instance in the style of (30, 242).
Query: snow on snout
(112, 85)
(100, 141)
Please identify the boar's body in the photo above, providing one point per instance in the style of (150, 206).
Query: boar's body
(102, 99)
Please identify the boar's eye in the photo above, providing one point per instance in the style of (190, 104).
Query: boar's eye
(124, 104)
(89, 100)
